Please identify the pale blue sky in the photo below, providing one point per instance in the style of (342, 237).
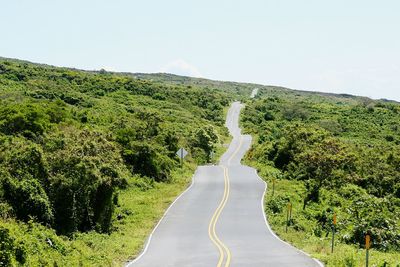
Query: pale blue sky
(348, 46)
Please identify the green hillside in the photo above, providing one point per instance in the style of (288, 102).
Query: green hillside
(330, 154)
(87, 160)
(241, 91)
(88, 165)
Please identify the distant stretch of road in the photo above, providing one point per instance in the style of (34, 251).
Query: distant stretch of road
(219, 220)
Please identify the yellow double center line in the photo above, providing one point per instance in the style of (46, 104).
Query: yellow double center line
(222, 248)
(211, 228)
(236, 151)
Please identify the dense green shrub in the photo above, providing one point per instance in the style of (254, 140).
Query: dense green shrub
(205, 138)
(278, 204)
(146, 160)
(28, 121)
(10, 251)
(28, 199)
(84, 174)
(384, 232)
(294, 111)
(344, 151)
(70, 140)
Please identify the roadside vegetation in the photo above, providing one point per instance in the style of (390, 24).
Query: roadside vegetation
(240, 91)
(88, 164)
(87, 160)
(329, 155)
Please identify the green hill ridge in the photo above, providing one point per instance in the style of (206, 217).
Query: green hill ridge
(88, 164)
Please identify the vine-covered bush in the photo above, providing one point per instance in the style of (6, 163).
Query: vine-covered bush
(343, 151)
(70, 140)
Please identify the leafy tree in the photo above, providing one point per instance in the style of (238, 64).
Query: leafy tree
(28, 121)
(325, 164)
(144, 159)
(82, 182)
(293, 112)
(28, 199)
(294, 139)
(206, 139)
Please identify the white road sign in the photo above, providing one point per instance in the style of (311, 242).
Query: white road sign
(181, 153)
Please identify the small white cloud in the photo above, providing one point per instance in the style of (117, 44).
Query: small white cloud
(181, 67)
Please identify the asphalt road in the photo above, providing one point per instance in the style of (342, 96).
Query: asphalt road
(219, 219)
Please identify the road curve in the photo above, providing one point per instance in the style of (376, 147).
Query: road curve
(219, 220)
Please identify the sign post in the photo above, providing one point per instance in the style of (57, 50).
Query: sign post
(288, 215)
(333, 231)
(212, 154)
(181, 153)
(273, 186)
(367, 246)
